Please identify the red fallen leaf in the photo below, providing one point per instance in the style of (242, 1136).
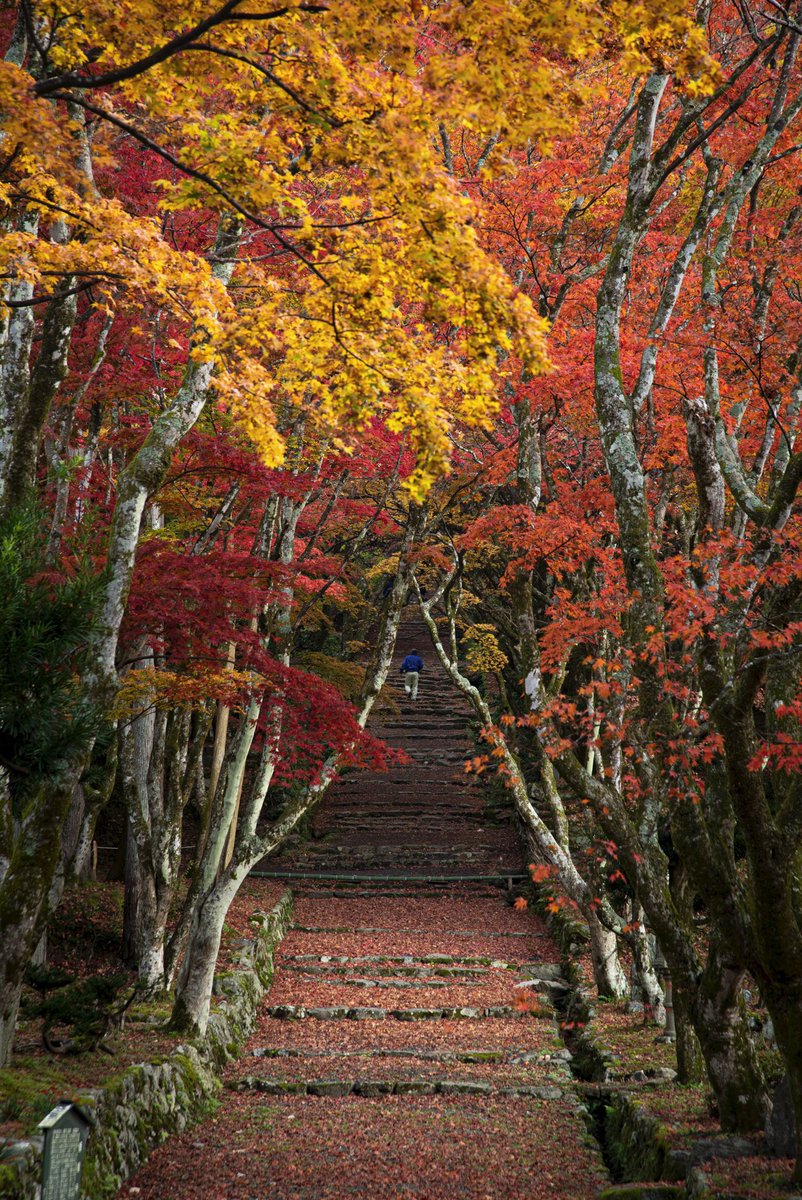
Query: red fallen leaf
(527, 1002)
(541, 872)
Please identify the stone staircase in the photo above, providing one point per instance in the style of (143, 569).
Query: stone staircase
(425, 823)
(409, 1045)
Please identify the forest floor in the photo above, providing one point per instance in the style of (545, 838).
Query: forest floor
(85, 941)
(451, 1081)
(399, 1051)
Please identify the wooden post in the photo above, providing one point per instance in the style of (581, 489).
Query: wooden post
(669, 1034)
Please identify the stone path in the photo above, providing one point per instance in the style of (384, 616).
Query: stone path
(408, 1046)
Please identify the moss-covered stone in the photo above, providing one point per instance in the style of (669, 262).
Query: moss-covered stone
(636, 1145)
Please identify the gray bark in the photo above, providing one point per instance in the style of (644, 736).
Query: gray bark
(217, 883)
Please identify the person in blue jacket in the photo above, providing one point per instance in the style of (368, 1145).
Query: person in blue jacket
(411, 668)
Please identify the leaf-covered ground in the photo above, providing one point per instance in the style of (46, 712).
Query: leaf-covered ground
(86, 939)
(685, 1113)
(446, 1035)
(464, 946)
(301, 1147)
(394, 947)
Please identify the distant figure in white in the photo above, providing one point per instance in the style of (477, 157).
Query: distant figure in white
(411, 668)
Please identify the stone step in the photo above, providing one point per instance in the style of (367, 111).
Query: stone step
(365, 855)
(430, 961)
(468, 864)
(413, 884)
(450, 738)
(500, 876)
(394, 1087)
(399, 852)
(375, 894)
(390, 982)
(395, 813)
(455, 796)
(398, 821)
(414, 881)
(319, 873)
(467, 933)
(426, 976)
(426, 788)
(453, 800)
(510, 1056)
(398, 777)
(341, 1012)
(454, 737)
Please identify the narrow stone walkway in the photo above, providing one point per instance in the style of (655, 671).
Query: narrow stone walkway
(398, 1053)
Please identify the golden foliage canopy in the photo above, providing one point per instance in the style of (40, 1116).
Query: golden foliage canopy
(361, 287)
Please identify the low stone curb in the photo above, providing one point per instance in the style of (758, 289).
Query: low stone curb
(407, 964)
(296, 1012)
(593, 1063)
(644, 1151)
(637, 1144)
(395, 1087)
(150, 1101)
(555, 1059)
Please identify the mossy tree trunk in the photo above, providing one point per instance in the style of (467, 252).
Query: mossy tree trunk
(36, 831)
(608, 974)
(218, 879)
(30, 861)
(785, 1006)
(690, 1060)
(159, 753)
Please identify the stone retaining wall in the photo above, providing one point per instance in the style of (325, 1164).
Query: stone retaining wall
(635, 1145)
(135, 1113)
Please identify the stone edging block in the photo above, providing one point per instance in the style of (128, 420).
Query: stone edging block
(297, 1012)
(397, 1087)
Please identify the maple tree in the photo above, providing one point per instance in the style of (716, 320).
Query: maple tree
(293, 243)
(321, 311)
(268, 274)
(629, 533)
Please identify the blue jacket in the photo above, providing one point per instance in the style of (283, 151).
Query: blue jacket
(412, 662)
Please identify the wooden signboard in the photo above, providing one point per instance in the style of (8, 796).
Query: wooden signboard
(65, 1130)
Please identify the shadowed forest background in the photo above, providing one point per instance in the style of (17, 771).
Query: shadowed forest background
(313, 313)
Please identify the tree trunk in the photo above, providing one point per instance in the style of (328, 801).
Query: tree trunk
(730, 1058)
(132, 936)
(643, 965)
(785, 1007)
(24, 890)
(690, 1060)
(193, 997)
(10, 995)
(153, 753)
(608, 973)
